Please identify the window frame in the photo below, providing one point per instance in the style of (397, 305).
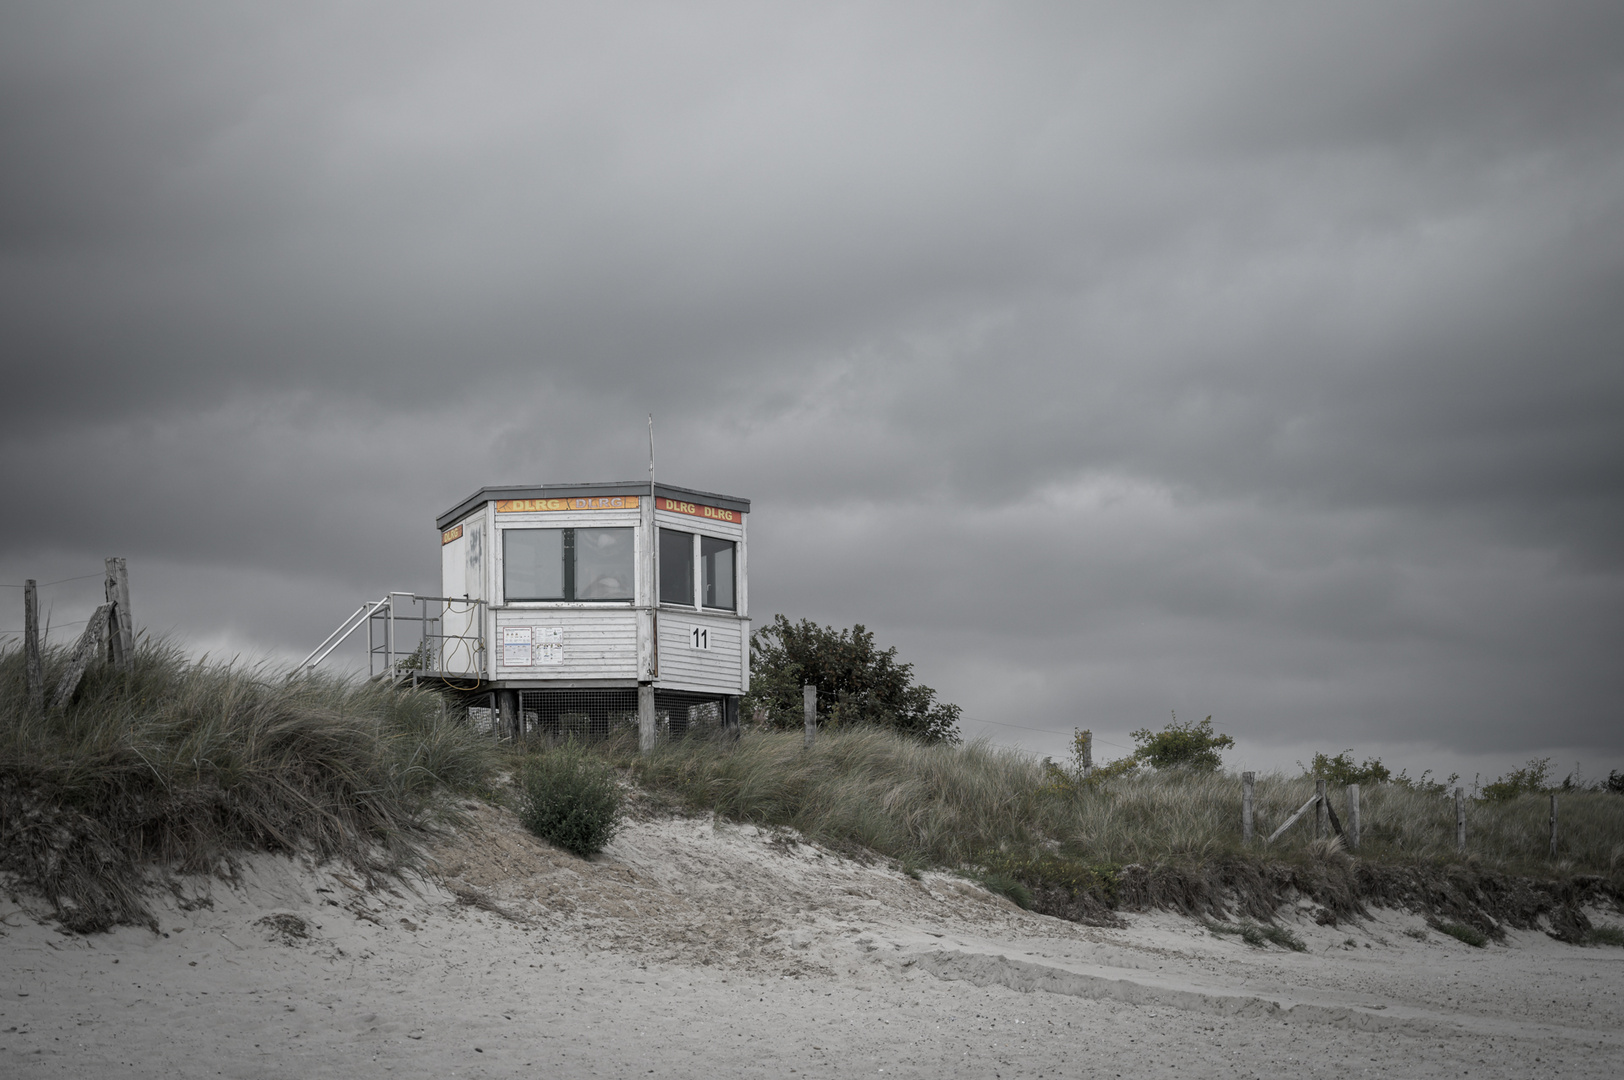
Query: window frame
(700, 582)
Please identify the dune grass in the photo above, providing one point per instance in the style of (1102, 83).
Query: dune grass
(952, 805)
(177, 765)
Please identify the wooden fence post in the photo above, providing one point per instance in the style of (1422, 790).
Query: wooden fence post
(121, 639)
(1353, 817)
(1460, 820)
(1248, 781)
(1087, 749)
(1553, 824)
(809, 709)
(645, 717)
(1321, 819)
(36, 670)
(90, 643)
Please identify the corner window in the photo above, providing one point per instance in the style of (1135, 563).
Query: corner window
(716, 571)
(676, 567)
(568, 564)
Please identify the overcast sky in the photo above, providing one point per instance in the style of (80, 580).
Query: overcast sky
(1259, 360)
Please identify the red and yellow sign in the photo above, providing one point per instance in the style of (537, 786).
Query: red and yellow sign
(591, 502)
(450, 535)
(715, 513)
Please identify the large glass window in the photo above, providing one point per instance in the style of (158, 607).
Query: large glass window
(533, 564)
(604, 564)
(676, 567)
(716, 569)
(568, 564)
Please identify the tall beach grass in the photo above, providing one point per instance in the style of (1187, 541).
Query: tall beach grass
(177, 764)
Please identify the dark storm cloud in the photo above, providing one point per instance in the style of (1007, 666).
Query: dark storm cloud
(1108, 359)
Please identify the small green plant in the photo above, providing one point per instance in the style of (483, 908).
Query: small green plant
(1182, 746)
(1006, 886)
(1461, 932)
(1605, 935)
(570, 799)
(1257, 935)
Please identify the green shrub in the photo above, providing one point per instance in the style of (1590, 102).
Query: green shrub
(1461, 932)
(570, 799)
(1605, 935)
(1533, 777)
(1182, 746)
(1341, 771)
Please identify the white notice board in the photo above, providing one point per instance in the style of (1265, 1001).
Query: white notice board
(527, 646)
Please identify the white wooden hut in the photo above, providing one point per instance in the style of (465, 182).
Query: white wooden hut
(579, 609)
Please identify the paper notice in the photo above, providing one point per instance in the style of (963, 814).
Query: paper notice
(549, 644)
(516, 651)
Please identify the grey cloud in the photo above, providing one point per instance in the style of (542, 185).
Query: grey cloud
(1115, 355)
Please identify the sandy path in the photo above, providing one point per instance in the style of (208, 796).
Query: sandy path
(693, 951)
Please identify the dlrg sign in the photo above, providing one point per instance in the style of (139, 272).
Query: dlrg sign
(715, 513)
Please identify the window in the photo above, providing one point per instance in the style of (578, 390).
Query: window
(716, 569)
(676, 567)
(568, 564)
(533, 564)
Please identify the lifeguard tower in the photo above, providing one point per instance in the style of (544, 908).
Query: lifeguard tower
(578, 609)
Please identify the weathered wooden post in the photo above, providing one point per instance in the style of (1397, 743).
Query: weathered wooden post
(1460, 820)
(645, 717)
(121, 636)
(1353, 817)
(508, 702)
(1322, 821)
(36, 670)
(1553, 824)
(809, 707)
(1086, 749)
(1248, 781)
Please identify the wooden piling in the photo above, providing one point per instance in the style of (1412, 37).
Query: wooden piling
(1322, 821)
(809, 708)
(1553, 824)
(36, 669)
(1248, 783)
(1353, 817)
(645, 717)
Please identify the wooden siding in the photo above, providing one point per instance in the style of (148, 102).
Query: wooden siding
(714, 670)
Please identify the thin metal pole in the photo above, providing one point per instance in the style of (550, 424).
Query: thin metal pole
(1353, 817)
(809, 709)
(1248, 783)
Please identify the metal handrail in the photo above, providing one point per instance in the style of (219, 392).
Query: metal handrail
(345, 629)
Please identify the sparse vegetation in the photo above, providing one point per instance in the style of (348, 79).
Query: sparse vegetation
(1258, 935)
(1153, 838)
(1605, 935)
(1461, 932)
(569, 798)
(174, 764)
(1341, 770)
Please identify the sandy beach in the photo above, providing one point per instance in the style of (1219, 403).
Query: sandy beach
(691, 949)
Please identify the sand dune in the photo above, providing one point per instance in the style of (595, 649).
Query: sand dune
(695, 950)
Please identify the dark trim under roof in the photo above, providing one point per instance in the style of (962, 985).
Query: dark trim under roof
(563, 491)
